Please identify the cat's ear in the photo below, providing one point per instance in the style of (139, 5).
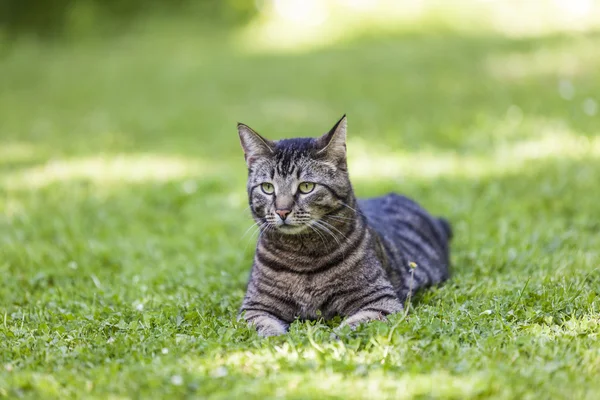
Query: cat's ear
(333, 144)
(254, 145)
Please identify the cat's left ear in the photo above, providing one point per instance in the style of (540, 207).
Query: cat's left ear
(333, 144)
(254, 145)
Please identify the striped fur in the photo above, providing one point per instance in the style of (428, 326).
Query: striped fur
(332, 254)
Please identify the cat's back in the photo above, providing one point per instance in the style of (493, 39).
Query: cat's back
(409, 233)
(392, 205)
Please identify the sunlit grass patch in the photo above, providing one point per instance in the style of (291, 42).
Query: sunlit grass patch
(17, 152)
(282, 370)
(304, 25)
(588, 326)
(570, 59)
(549, 140)
(125, 168)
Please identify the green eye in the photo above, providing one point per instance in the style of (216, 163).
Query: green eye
(267, 188)
(306, 187)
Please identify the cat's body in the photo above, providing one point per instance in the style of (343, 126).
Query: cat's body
(335, 255)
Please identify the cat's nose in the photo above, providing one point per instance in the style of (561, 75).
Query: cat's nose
(283, 213)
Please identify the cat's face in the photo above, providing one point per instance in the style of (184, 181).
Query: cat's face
(294, 183)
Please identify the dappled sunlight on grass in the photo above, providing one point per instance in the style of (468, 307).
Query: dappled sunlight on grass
(553, 141)
(11, 208)
(584, 326)
(529, 18)
(283, 369)
(106, 170)
(566, 60)
(12, 152)
(302, 25)
(516, 141)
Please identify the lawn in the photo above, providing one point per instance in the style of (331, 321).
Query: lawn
(124, 250)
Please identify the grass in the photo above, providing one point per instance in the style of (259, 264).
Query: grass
(122, 248)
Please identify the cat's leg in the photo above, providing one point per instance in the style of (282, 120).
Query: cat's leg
(265, 308)
(265, 323)
(375, 311)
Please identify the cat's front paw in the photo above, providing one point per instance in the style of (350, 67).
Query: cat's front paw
(362, 317)
(268, 326)
(374, 311)
(266, 331)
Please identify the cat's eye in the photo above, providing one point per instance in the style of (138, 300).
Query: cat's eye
(267, 187)
(306, 187)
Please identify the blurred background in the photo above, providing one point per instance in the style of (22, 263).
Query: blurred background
(118, 147)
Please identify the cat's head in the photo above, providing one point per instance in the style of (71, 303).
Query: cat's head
(294, 184)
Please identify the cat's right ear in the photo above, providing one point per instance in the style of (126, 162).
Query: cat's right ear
(254, 145)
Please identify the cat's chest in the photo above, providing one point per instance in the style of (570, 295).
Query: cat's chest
(309, 297)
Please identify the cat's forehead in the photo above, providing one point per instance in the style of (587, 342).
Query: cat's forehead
(297, 147)
(292, 155)
(291, 158)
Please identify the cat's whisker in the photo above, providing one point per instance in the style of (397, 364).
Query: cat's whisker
(318, 233)
(327, 230)
(338, 218)
(248, 230)
(268, 227)
(353, 209)
(334, 228)
(258, 228)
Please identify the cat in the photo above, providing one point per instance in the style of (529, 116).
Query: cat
(322, 252)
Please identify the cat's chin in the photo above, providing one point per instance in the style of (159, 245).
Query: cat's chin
(291, 229)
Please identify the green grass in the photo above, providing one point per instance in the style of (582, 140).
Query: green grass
(122, 249)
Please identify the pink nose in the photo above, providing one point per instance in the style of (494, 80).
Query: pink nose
(283, 213)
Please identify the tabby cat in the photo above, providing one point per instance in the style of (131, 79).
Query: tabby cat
(322, 252)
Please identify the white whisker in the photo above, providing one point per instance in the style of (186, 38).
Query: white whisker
(353, 209)
(338, 218)
(259, 230)
(318, 233)
(327, 230)
(333, 227)
(248, 230)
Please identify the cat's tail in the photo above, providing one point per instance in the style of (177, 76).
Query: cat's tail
(446, 227)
